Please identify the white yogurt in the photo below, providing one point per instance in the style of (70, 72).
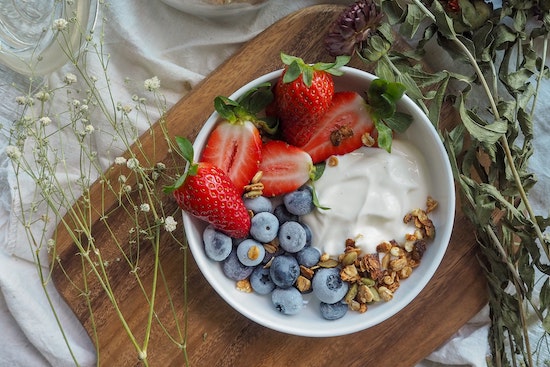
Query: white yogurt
(368, 193)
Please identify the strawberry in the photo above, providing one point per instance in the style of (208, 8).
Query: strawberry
(206, 192)
(235, 143)
(284, 167)
(341, 128)
(303, 93)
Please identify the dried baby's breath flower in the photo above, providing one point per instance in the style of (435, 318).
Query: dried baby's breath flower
(69, 78)
(89, 129)
(152, 84)
(120, 161)
(45, 121)
(50, 244)
(145, 207)
(24, 100)
(13, 152)
(42, 96)
(60, 24)
(132, 163)
(170, 224)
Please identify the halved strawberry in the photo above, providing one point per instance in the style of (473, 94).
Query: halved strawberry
(206, 192)
(285, 168)
(341, 129)
(235, 143)
(303, 94)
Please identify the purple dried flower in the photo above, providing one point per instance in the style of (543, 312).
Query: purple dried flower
(354, 26)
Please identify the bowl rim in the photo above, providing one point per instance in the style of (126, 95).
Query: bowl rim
(397, 304)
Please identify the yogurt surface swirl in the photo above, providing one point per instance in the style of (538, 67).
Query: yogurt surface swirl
(367, 193)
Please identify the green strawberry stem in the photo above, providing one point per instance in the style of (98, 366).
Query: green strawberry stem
(297, 67)
(187, 152)
(247, 108)
(316, 173)
(382, 97)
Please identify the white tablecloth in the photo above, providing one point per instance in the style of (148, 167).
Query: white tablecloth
(147, 38)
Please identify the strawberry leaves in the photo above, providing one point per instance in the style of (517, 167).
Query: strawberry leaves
(383, 97)
(257, 99)
(248, 107)
(297, 67)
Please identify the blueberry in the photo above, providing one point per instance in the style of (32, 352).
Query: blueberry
(261, 281)
(292, 236)
(333, 311)
(258, 204)
(234, 269)
(250, 252)
(264, 227)
(288, 301)
(217, 245)
(284, 270)
(283, 215)
(328, 286)
(308, 256)
(299, 202)
(308, 233)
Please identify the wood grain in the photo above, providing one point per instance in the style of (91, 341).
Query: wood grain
(218, 335)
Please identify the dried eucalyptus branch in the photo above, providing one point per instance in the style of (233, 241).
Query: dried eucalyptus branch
(490, 149)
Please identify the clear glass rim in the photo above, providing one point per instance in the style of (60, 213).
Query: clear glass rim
(48, 55)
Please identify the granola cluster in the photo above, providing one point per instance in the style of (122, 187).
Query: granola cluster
(375, 277)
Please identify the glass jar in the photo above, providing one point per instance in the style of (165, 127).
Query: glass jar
(29, 41)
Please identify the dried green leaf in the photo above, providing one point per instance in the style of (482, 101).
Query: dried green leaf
(434, 110)
(444, 23)
(489, 133)
(384, 70)
(544, 296)
(412, 21)
(393, 11)
(483, 41)
(503, 37)
(546, 322)
(413, 91)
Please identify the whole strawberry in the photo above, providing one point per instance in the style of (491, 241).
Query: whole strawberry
(303, 94)
(206, 192)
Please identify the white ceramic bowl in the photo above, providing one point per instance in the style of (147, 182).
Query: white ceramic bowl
(209, 9)
(309, 321)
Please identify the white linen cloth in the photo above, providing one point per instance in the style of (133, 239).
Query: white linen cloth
(147, 38)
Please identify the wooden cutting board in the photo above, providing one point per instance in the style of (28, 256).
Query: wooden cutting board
(217, 334)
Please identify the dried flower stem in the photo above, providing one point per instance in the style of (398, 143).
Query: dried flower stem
(503, 140)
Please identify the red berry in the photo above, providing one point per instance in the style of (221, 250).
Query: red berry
(299, 104)
(341, 129)
(236, 149)
(210, 195)
(284, 168)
